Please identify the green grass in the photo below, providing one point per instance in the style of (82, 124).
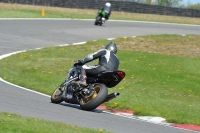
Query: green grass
(37, 14)
(11, 123)
(161, 83)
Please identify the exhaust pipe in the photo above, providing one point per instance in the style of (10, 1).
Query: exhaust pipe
(111, 96)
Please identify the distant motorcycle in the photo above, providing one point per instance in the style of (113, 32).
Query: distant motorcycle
(100, 19)
(90, 97)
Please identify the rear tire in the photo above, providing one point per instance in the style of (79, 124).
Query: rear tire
(99, 96)
(56, 96)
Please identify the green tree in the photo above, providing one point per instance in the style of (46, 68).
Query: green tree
(170, 3)
(150, 1)
(194, 6)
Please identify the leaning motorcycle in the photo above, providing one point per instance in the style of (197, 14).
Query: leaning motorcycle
(91, 96)
(100, 19)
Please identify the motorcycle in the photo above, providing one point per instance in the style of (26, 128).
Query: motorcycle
(91, 96)
(100, 19)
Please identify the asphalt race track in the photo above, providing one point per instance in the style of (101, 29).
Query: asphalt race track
(23, 34)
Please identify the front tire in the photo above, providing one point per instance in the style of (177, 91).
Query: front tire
(98, 19)
(98, 97)
(56, 96)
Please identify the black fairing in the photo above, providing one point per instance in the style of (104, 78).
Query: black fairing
(109, 78)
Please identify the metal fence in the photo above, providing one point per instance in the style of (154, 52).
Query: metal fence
(124, 6)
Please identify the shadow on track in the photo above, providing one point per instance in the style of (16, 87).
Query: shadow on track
(78, 107)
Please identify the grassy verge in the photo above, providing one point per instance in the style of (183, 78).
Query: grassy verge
(11, 123)
(30, 11)
(162, 73)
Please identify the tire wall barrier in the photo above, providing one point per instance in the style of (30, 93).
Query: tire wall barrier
(120, 6)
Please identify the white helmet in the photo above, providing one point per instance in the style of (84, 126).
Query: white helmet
(108, 4)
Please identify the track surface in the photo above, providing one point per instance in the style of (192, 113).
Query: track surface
(17, 35)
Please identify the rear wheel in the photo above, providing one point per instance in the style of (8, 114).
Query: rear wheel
(97, 98)
(56, 96)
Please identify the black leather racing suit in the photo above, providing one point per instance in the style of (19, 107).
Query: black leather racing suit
(107, 61)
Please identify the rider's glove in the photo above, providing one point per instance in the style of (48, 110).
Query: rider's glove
(79, 62)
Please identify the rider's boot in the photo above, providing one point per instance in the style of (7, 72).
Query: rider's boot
(81, 83)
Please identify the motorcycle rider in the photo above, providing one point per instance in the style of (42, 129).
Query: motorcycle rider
(107, 9)
(108, 61)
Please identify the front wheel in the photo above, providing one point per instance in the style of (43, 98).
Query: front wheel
(56, 96)
(97, 98)
(98, 20)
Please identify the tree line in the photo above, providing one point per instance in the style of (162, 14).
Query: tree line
(170, 3)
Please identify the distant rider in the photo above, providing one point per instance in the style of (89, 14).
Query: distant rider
(107, 9)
